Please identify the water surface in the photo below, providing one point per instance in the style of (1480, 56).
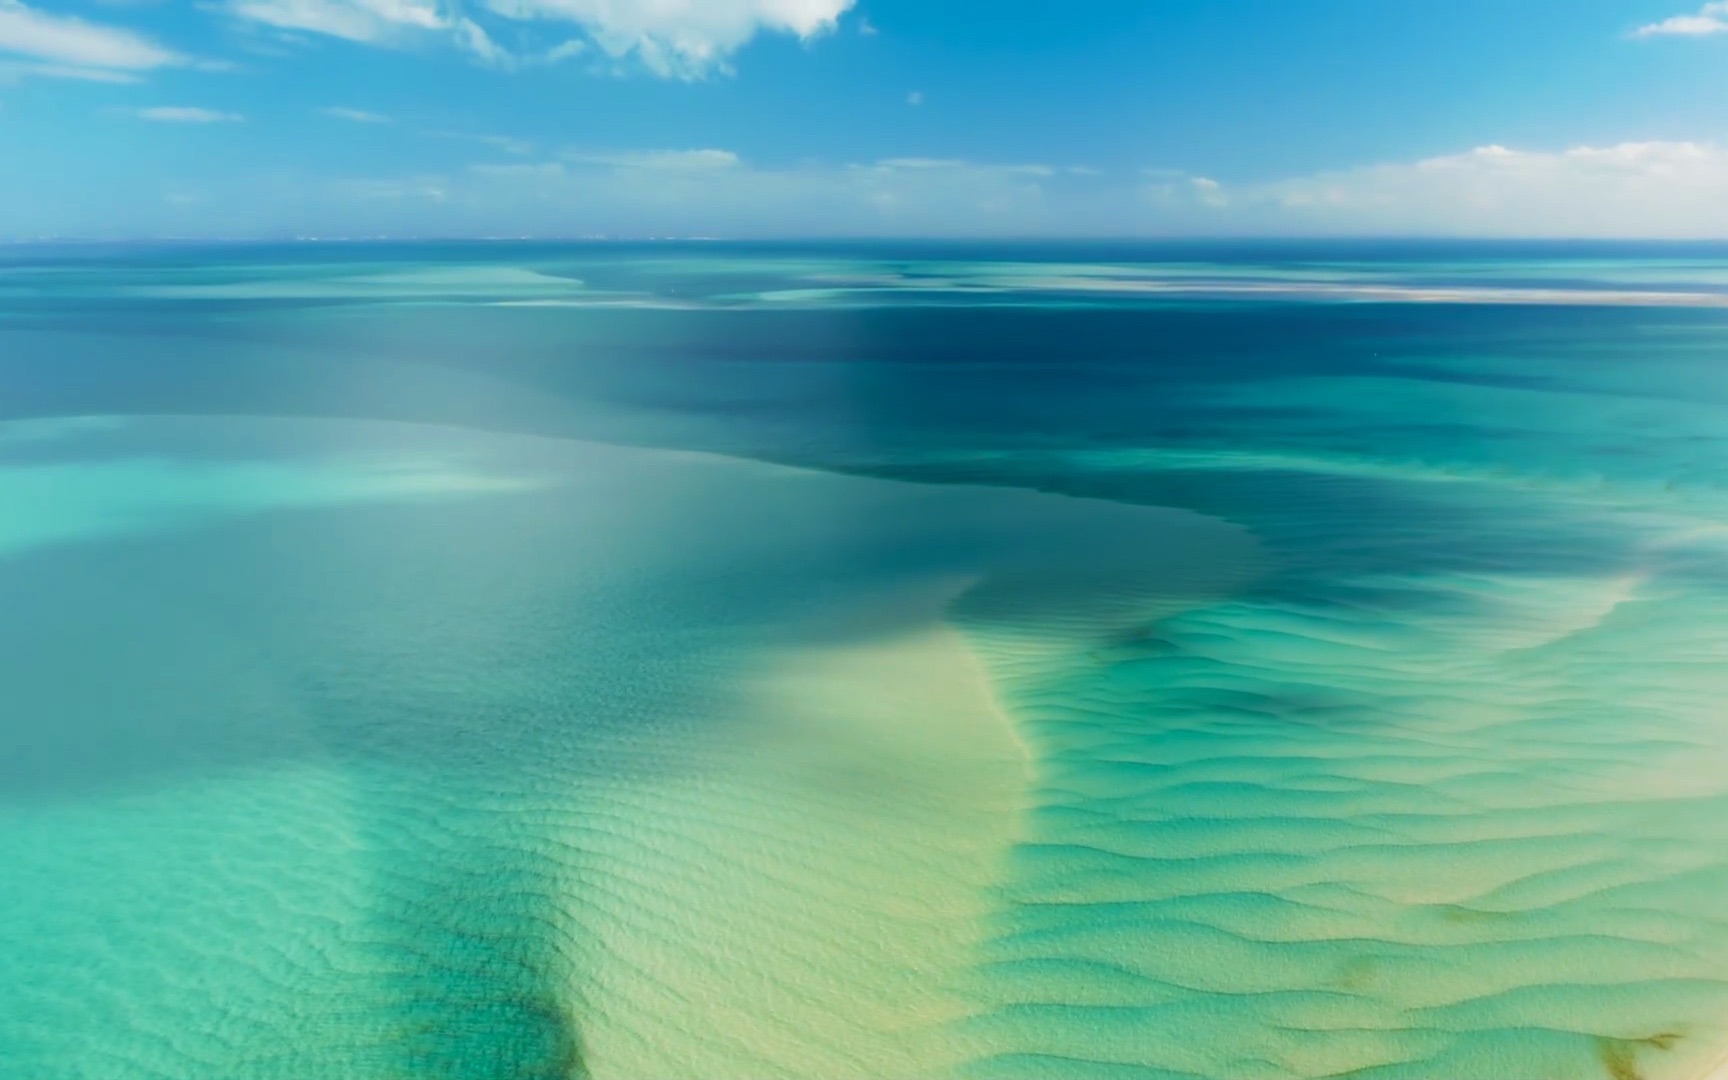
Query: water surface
(1206, 661)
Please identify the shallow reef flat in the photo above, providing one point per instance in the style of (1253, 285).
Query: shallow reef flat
(1303, 834)
(422, 752)
(1440, 796)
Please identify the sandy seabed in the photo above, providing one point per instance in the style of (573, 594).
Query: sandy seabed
(430, 753)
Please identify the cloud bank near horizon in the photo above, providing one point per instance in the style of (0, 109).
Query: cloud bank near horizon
(1651, 189)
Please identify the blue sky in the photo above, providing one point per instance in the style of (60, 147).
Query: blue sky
(130, 118)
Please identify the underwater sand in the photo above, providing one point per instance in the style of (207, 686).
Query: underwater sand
(1222, 663)
(371, 786)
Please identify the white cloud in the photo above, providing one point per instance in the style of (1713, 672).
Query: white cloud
(1637, 189)
(1712, 18)
(713, 192)
(188, 114)
(682, 38)
(358, 116)
(507, 143)
(519, 168)
(398, 22)
(558, 53)
(673, 160)
(1209, 191)
(11, 72)
(63, 46)
(1642, 189)
(472, 37)
(424, 189)
(916, 97)
(355, 20)
(920, 163)
(665, 192)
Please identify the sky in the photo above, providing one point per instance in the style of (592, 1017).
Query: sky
(124, 119)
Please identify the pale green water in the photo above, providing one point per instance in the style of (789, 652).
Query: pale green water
(353, 747)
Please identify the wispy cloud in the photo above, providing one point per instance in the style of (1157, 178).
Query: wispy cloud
(64, 46)
(375, 22)
(12, 71)
(672, 160)
(1634, 189)
(355, 20)
(188, 114)
(519, 168)
(509, 144)
(674, 38)
(473, 38)
(714, 191)
(1712, 18)
(920, 163)
(1637, 189)
(357, 116)
(1209, 191)
(427, 189)
(680, 38)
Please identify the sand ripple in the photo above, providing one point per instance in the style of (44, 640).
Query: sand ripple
(1438, 825)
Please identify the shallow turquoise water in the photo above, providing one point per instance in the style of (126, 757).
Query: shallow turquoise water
(1433, 785)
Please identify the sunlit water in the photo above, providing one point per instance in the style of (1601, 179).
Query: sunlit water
(1219, 662)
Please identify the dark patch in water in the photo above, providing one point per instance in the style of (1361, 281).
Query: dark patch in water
(1620, 1056)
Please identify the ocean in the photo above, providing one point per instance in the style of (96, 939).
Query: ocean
(627, 661)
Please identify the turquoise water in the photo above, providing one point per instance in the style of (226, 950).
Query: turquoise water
(528, 661)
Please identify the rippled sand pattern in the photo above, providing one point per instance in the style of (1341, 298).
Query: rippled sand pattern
(1366, 821)
(1463, 862)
